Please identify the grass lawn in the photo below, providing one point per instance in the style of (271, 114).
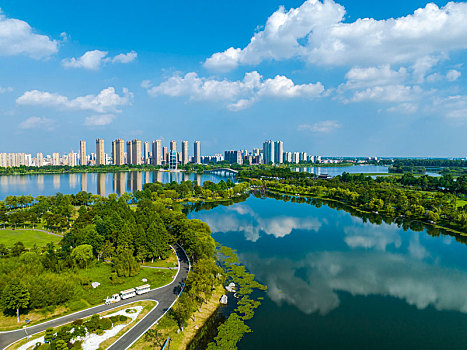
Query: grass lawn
(101, 273)
(28, 237)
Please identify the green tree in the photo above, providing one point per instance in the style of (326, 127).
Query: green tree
(49, 335)
(15, 296)
(82, 255)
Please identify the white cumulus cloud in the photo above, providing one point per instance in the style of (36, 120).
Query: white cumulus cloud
(37, 123)
(99, 120)
(18, 38)
(324, 126)
(238, 94)
(106, 101)
(316, 33)
(93, 60)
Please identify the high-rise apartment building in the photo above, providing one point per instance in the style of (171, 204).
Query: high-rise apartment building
(39, 159)
(233, 157)
(100, 156)
(119, 155)
(3, 160)
(147, 150)
(173, 145)
(72, 159)
(55, 158)
(165, 155)
(114, 151)
(82, 153)
(185, 159)
(129, 153)
(173, 160)
(136, 155)
(278, 152)
(197, 153)
(268, 152)
(156, 152)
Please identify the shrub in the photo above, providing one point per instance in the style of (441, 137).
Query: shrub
(78, 322)
(114, 318)
(122, 318)
(105, 323)
(49, 334)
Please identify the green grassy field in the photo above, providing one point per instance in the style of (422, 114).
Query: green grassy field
(101, 273)
(28, 237)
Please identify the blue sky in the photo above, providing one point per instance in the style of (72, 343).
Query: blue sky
(331, 78)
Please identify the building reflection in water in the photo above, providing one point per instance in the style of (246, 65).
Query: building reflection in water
(101, 184)
(147, 177)
(84, 182)
(198, 179)
(56, 181)
(159, 176)
(40, 182)
(186, 177)
(119, 183)
(138, 181)
(72, 180)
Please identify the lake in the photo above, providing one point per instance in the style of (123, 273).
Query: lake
(97, 183)
(356, 169)
(337, 282)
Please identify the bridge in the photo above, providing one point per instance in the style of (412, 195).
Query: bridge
(222, 171)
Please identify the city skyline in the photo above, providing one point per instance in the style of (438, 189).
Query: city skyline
(108, 80)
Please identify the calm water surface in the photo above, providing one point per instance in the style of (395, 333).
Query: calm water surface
(97, 183)
(365, 169)
(336, 282)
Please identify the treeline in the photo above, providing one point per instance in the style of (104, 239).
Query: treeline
(109, 229)
(191, 190)
(273, 172)
(383, 196)
(431, 162)
(64, 169)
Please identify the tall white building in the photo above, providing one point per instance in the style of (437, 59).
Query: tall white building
(147, 150)
(278, 152)
(157, 152)
(268, 152)
(82, 153)
(197, 153)
(55, 158)
(295, 157)
(39, 159)
(185, 158)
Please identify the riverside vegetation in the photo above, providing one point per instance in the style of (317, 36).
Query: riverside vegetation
(107, 240)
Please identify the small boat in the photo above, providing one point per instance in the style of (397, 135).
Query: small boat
(223, 299)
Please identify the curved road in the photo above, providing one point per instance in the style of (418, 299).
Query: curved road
(164, 296)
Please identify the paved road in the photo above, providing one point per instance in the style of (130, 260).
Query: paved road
(165, 296)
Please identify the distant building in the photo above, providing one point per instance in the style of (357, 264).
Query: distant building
(173, 160)
(268, 152)
(173, 145)
(197, 156)
(165, 155)
(100, 157)
(233, 157)
(185, 157)
(129, 153)
(278, 152)
(302, 157)
(147, 150)
(72, 159)
(118, 152)
(156, 152)
(39, 159)
(55, 159)
(136, 155)
(295, 157)
(82, 153)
